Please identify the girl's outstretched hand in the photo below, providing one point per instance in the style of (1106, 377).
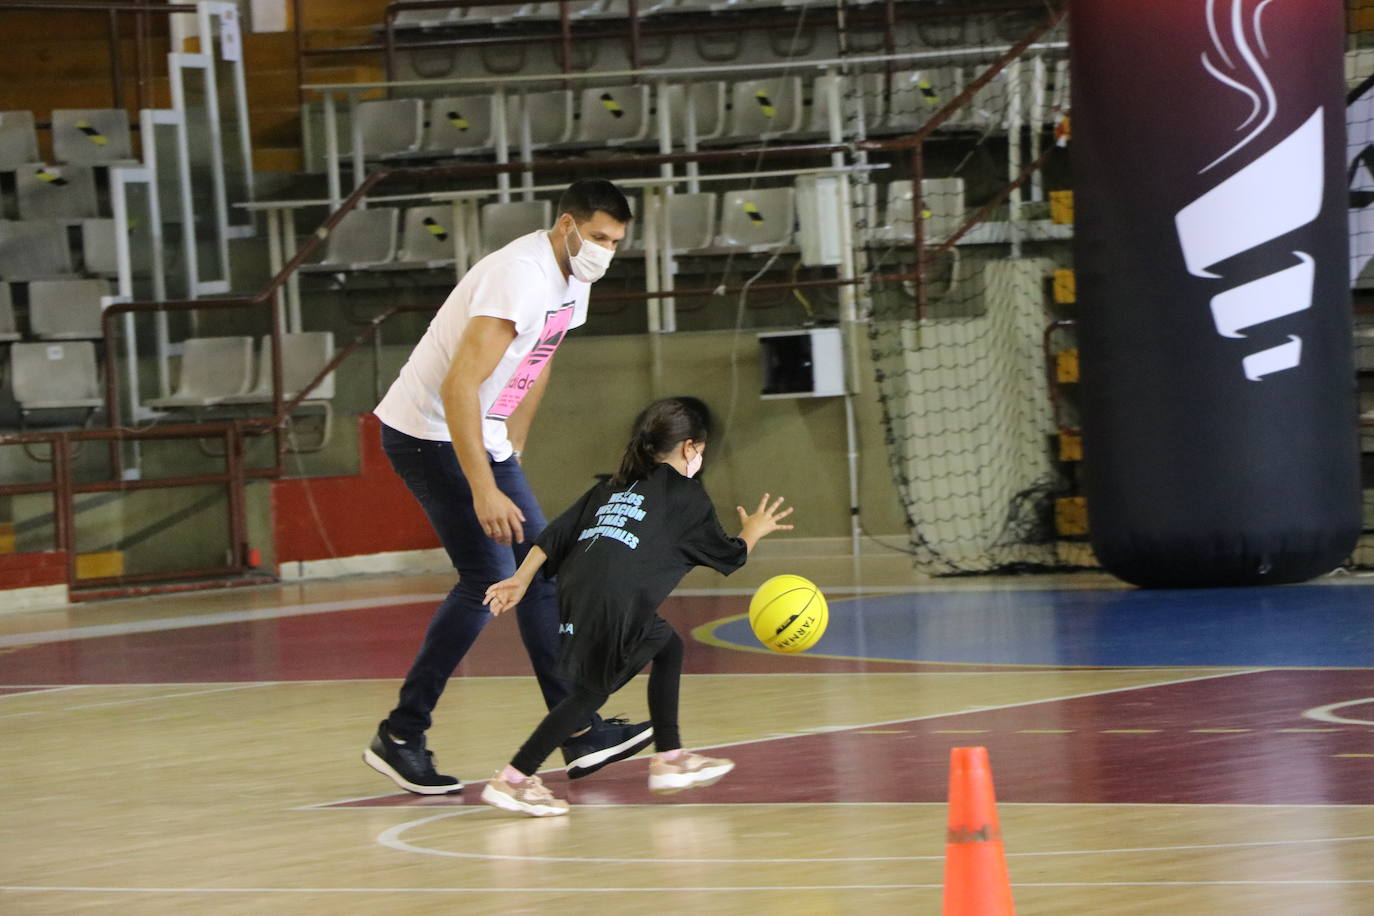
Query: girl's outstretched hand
(504, 595)
(763, 521)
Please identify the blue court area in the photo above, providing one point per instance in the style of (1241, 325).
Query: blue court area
(1305, 625)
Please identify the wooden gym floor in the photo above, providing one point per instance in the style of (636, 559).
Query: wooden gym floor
(1186, 753)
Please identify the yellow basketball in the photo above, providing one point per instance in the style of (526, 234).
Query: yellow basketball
(788, 614)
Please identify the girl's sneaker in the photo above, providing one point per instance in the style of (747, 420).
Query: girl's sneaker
(687, 772)
(531, 797)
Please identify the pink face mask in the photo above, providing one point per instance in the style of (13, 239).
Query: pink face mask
(694, 463)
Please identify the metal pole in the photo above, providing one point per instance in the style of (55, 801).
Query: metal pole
(116, 63)
(918, 242)
(331, 150)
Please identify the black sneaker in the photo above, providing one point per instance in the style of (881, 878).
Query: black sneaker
(607, 741)
(409, 765)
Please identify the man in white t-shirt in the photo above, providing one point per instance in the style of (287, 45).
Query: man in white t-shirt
(454, 425)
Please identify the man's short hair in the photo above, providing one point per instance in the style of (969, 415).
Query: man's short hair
(584, 198)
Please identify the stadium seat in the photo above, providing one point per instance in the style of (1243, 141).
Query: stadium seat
(54, 376)
(98, 249)
(503, 13)
(34, 249)
(91, 136)
(427, 236)
(362, 238)
(212, 369)
(550, 116)
(766, 107)
(66, 309)
(761, 218)
(944, 210)
(303, 355)
(461, 123)
(18, 139)
(614, 114)
(692, 221)
(426, 19)
(919, 94)
(708, 109)
(390, 127)
(9, 330)
(55, 191)
(820, 104)
(503, 223)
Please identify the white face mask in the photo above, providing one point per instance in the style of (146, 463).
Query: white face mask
(590, 262)
(694, 463)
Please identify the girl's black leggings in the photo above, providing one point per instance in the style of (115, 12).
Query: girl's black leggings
(572, 713)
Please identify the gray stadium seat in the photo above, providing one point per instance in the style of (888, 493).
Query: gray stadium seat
(479, 14)
(551, 117)
(55, 191)
(54, 376)
(9, 330)
(34, 249)
(66, 309)
(918, 94)
(362, 238)
(820, 104)
(503, 223)
(212, 369)
(426, 19)
(427, 236)
(98, 249)
(944, 210)
(761, 218)
(303, 355)
(766, 107)
(708, 101)
(18, 139)
(91, 135)
(460, 123)
(390, 127)
(692, 220)
(614, 114)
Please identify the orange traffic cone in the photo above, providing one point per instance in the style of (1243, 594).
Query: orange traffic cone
(976, 878)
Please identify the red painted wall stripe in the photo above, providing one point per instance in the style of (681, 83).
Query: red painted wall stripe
(370, 512)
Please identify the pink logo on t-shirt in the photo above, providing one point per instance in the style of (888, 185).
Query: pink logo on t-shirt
(523, 379)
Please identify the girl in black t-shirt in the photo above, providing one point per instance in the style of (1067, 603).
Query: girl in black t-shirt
(618, 552)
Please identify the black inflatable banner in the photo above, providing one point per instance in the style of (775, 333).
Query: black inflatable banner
(1219, 404)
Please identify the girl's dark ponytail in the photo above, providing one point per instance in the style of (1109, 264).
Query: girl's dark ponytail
(659, 427)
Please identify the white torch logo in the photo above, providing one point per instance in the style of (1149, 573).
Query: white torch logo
(1277, 193)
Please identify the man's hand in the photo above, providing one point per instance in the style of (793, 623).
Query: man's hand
(500, 518)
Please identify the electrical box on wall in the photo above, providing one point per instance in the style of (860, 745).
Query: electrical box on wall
(819, 216)
(802, 364)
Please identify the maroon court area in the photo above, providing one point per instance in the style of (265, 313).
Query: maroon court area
(1240, 739)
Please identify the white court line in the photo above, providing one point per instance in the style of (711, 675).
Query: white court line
(939, 715)
(26, 690)
(391, 838)
(131, 700)
(970, 712)
(671, 888)
(190, 621)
